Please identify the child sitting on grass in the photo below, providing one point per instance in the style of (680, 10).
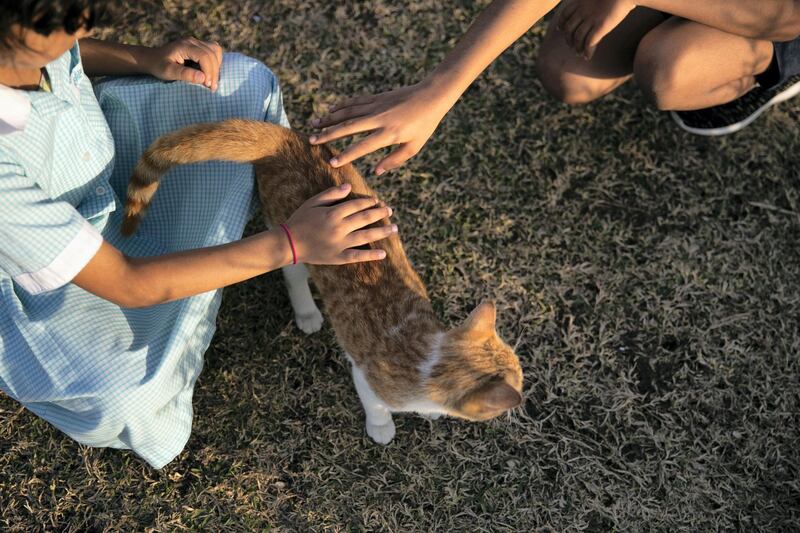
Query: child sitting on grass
(717, 64)
(103, 336)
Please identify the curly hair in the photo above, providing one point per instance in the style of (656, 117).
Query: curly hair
(47, 16)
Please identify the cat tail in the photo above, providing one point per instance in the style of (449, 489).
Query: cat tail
(242, 141)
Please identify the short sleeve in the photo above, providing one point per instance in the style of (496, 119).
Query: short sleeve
(44, 243)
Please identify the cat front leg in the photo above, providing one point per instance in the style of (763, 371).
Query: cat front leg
(306, 313)
(380, 426)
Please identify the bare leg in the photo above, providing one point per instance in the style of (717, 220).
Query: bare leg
(571, 79)
(683, 65)
(306, 312)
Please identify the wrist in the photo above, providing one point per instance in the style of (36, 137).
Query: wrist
(143, 58)
(280, 246)
(290, 238)
(441, 90)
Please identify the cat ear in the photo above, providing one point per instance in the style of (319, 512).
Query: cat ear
(482, 319)
(491, 397)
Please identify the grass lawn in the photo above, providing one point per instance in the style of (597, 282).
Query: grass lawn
(648, 279)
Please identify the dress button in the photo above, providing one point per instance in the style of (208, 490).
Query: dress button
(87, 156)
(100, 190)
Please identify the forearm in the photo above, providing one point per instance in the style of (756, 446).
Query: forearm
(142, 282)
(101, 58)
(502, 23)
(775, 20)
(179, 275)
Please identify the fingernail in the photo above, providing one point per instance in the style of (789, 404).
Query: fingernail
(334, 161)
(312, 139)
(394, 228)
(344, 186)
(198, 77)
(379, 171)
(390, 211)
(315, 122)
(381, 254)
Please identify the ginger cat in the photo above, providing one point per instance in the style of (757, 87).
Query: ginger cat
(403, 359)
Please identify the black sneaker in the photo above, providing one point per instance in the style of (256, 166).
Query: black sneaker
(733, 116)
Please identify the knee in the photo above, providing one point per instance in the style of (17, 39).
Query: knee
(254, 84)
(242, 68)
(657, 71)
(562, 85)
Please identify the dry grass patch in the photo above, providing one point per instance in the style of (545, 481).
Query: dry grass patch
(649, 279)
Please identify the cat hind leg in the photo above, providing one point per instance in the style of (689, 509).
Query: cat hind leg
(306, 313)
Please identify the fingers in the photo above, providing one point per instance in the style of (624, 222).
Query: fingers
(359, 256)
(365, 218)
(356, 100)
(395, 159)
(569, 27)
(570, 30)
(339, 116)
(330, 195)
(366, 236)
(565, 14)
(353, 206)
(209, 56)
(590, 50)
(363, 147)
(218, 52)
(209, 64)
(582, 32)
(175, 71)
(346, 129)
(593, 39)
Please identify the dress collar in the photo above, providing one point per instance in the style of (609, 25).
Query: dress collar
(15, 108)
(15, 105)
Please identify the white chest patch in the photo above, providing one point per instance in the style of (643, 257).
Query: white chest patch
(422, 407)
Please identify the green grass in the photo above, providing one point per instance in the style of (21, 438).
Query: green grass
(648, 278)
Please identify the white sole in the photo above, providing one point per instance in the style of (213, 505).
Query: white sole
(786, 94)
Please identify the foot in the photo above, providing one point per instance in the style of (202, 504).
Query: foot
(381, 434)
(733, 116)
(309, 322)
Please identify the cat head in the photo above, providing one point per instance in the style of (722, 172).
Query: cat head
(476, 376)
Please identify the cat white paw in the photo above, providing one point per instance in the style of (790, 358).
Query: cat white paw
(381, 434)
(309, 322)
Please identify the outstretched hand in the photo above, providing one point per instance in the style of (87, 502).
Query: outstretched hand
(171, 62)
(327, 233)
(586, 22)
(404, 117)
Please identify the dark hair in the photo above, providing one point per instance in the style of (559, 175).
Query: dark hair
(47, 16)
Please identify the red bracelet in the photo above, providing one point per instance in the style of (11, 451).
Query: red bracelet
(291, 242)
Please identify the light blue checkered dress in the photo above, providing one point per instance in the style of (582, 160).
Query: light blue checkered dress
(108, 376)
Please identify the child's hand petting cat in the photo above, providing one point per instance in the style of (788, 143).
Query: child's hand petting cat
(168, 62)
(326, 233)
(406, 117)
